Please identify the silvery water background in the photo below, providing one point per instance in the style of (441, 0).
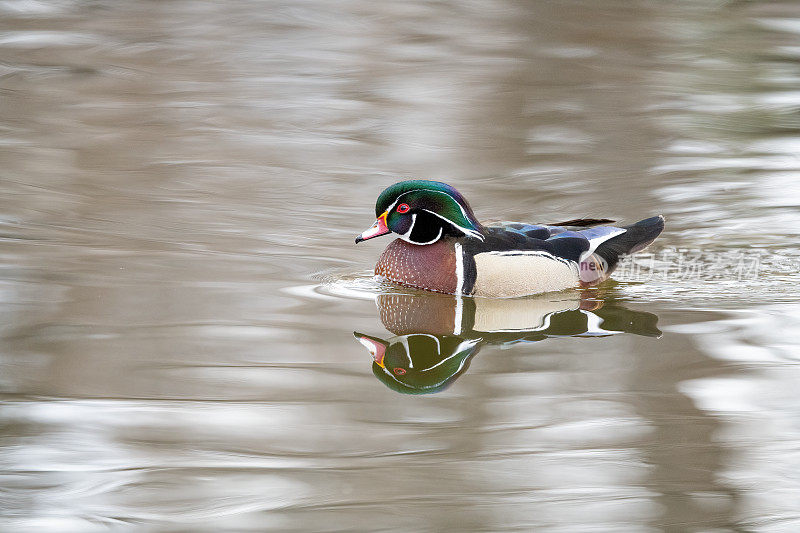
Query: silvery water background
(180, 185)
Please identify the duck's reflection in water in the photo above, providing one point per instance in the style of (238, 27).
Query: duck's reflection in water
(437, 335)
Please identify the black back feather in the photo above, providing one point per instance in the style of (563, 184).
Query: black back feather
(584, 222)
(498, 239)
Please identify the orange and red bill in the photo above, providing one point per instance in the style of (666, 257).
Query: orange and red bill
(376, 230)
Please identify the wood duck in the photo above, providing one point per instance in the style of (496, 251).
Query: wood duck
(436, 336)
(443, 248)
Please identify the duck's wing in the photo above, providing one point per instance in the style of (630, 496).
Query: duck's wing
(561, 242)
(610, 242)
(545, 231)
(534, 231)
(519, 238)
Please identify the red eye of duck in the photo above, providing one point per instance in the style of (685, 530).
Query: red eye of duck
(399, 371)
(403, 208)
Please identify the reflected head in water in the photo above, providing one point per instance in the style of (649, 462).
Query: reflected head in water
(419, 363)
(436, 336)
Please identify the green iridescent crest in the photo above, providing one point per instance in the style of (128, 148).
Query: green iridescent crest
(435, 197)
(423, 364)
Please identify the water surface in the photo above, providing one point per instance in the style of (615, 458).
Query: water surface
(180, 186)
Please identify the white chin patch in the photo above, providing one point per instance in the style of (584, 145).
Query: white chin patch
(407, 237)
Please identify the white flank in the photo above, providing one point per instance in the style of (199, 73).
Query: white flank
(508, 275)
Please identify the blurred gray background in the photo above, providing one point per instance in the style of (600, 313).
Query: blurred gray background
(180, 186)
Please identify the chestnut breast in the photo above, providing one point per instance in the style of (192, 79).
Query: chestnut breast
(425, 266)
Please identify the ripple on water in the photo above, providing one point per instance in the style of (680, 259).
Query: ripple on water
(359, 286)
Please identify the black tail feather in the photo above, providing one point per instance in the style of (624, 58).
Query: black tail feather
(637, 237)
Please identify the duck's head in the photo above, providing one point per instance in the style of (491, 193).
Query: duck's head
(419, 363)
(422, 212)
